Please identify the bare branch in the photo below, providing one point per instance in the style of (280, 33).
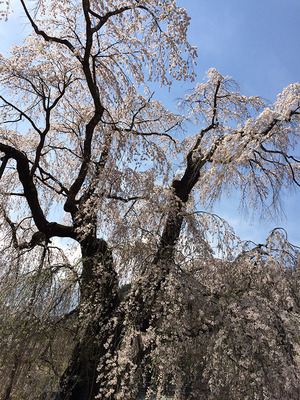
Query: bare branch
(123, 199)
(42, 33)
(22, 114)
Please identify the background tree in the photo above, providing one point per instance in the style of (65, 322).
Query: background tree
(88, 155)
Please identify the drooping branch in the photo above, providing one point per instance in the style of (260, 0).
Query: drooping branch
(13, 228)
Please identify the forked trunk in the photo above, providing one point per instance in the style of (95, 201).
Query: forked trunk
(101, 321)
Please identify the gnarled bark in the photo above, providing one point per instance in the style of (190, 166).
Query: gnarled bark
(98, 334)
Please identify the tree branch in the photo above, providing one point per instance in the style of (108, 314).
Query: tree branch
(50, 229)
(4, 163)
(103, 19)
(44, 34)
(22, 114)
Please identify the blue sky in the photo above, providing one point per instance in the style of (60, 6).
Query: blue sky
(257, 42)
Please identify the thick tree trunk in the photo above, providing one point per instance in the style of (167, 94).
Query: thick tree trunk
(144, 304)
(145, 290)
(98, 330)
(145, 308)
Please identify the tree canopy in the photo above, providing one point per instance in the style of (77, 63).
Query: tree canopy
(88, 154)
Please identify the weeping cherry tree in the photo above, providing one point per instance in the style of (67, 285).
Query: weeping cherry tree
(88, 157)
